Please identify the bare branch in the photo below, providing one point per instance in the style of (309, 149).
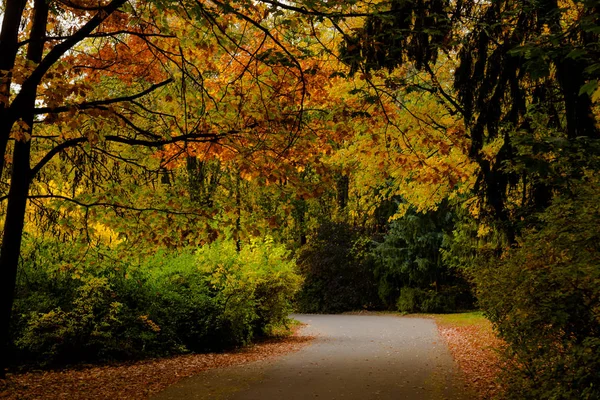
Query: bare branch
(98, 103)
(192, 137)
(57, 52)
(106, 35)
(113, 205)
(327, 14)
(438, 86)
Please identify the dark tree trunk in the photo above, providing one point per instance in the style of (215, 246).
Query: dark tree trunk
(578, 108)
(165, 178)
(11, 238)
(302, 223)
(19, 188)
(194, 178)
(9, 45)
(299, 215)
(570, 73)
(238, 218)
(342, 187)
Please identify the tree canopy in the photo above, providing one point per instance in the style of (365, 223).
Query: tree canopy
(406, 138)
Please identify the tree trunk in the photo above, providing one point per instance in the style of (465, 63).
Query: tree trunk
(570, 73)
(238, 218)
(342, 183)
(300, 218)
(302, 224)
(11, 239)
(194, 179)
(9, 46)
(578, 108)
(19, 188)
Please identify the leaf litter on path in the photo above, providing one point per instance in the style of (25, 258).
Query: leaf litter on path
(138, 380)
(475, 349)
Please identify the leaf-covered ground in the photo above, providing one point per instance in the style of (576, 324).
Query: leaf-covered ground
(474, 346)
(469, 337)
(137, 380)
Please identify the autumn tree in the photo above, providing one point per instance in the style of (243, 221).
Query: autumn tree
(524, 83)
(92, 92)
(106, 83)
(520, 67)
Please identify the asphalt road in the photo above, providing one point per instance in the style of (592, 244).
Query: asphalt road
(364, 357)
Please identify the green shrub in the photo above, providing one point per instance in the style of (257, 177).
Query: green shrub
(543, 297)
(253, 286)
(87, 329)
(86, 306)
(73, 305)
(410, 268)
(409, 300)
(338, 271)
(413, 300)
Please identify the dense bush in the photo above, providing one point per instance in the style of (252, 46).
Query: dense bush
(543, 297)
(75, 306)
(411, 272)
(338, 271)
(346, 270)
(414, 300)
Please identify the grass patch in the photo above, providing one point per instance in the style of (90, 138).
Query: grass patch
(474, 345)
(462, 319)
(289, 328)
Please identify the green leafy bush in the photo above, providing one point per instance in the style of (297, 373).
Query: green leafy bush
(543, 297)
(411, 271)
(85, 306)
(338, 270)
(414, 300)
(253, 287)
(66, 307)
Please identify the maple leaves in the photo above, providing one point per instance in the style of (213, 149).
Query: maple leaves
(182, 120)
(248, 84)
(126, 95)
(412, 142)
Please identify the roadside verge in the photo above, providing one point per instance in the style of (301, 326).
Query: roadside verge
(137, 380)
(474, 346)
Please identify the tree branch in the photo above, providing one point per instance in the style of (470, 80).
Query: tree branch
(279, 44)
(97, 103)
(104, 35)
(303, 10)
(112, 205)
(75, 6)
(57, 52)
(192, 137)
(438, 86)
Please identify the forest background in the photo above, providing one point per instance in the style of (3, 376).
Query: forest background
(176, 176)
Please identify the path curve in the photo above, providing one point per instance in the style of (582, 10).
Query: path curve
(381, 357)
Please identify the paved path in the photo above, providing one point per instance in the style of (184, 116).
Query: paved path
(354, 357)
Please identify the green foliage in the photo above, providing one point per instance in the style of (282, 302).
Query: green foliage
(346, 270)
(411, 271)
(87, 326)
(252, 286)
(73, 306)
(414, 300)
(473, 318)
(543, 297)
(338, 271)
